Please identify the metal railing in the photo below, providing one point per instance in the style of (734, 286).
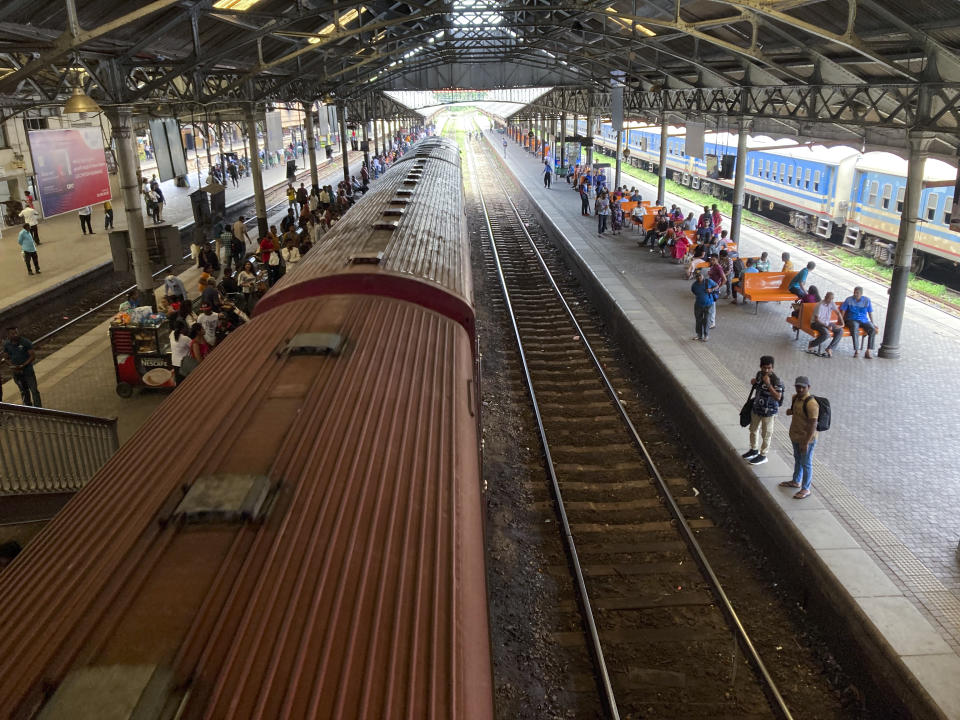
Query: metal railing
(45, 451)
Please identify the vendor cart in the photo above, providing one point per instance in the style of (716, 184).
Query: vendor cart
(141, 356)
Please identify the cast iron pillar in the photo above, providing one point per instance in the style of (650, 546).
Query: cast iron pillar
(739, 180)
(311, 143)
(342, 122)
(662, 170)
(259, 199)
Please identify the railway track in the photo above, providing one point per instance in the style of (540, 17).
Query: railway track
(646, 593)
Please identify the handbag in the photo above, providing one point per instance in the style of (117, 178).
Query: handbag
(747, 410)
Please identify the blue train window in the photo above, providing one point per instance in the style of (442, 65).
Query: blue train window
(766, 169)
(816, 181)
(806, 179)
(947, 208)
(900, 192)
(775, 165)
(789, 174)
(752, 163)
(932, 200)
(887, 196)
(783, 171)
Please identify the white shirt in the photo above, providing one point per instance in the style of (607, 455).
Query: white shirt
(291, 255)
(824, 313)
(240, 230)
(209, 324)
(179, 349)
(85, 210)
(29, 215)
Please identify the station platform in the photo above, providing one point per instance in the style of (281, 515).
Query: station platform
(65, 252)
(884, 517)
(80, 377)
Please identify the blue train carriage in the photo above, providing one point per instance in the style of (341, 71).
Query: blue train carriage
(810, 185)
(876, 202)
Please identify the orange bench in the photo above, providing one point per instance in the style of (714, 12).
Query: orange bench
(804, 322)
(767, 287)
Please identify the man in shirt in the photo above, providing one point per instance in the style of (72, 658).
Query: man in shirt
(825, 326)
(547, 174)
(857, 312)
(30, 218)
(28, 247)
(763, 412)
(803, 413)
(749, 267)
(240, 231)
(85, 225)
(798, 284)
(20, 355)
(719, 278)
(763, 264)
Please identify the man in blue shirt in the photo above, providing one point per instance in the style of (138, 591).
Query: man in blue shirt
(797, 285)
(857, 312)
(20, 355)
(29, 248)
(702, 289)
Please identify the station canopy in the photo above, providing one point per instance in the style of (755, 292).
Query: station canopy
(864, 70)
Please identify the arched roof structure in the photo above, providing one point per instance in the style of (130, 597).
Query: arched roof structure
(837, 69)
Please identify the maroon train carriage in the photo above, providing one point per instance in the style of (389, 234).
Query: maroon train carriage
(297, 531)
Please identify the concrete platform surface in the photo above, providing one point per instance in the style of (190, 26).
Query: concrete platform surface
(884, 516)
(64, 252)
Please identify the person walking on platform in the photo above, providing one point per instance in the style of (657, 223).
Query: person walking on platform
(763, 412)
(504, 147)
(602, 210)
(584, 200)
(20, 355)
(703, 289)
(31, 217)
(857, 312)
(28, 248)
(161, 200)
(107, 215)
(804, 412)
(85, 213)
(547, 173)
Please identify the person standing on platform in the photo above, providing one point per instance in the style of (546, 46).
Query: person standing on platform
(602, 210)
(20, 355)
(857, 312)
(240, 231)
(161, 200)
(28, 248)
(234, 174)
(85, 213)
(763, 413)
(703, 289)
(504, 147)
(547, 173)
(804, 412)
(107, 215)
(584, 200)
(716, 218)
(31, 217)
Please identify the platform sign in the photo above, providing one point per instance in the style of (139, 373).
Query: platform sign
(70, 167)
(693, 146)
(274, 126)
(168, 148)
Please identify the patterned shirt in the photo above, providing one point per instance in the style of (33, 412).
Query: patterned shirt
(764, 404)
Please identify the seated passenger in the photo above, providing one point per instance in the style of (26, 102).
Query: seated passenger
(825, 326)
(857, 312)
(763, 264)
(800, 279)
(787, 263)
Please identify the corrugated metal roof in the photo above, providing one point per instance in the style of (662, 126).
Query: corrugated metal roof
(362, 592)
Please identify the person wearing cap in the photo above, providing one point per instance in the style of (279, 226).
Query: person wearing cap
(803, 413)
(763, 412)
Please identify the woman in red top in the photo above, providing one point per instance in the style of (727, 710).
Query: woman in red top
(199, 348)
(266, 247)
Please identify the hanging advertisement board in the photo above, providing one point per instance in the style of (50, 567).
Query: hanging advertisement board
(168, 148)
(70, 168)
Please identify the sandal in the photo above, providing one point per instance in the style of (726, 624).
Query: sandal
(789, 483)
(856, 353)
(812, 351)
(801, 495)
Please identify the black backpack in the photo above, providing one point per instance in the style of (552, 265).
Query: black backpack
(823, 419)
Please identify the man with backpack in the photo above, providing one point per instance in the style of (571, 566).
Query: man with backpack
(808, 414)
(767, 400)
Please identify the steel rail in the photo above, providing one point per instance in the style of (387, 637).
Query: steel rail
(769, 686)
(608, 696)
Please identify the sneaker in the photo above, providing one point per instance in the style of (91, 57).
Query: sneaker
(758, 460)
(749, 454)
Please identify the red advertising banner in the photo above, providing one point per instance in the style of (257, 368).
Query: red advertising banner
(70, 167)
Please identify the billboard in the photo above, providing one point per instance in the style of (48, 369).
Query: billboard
(274, 128)
(70, 168)
(695, 138)
(168, 148)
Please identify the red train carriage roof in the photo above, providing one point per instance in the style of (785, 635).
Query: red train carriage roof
(405, 239)
(293, 534)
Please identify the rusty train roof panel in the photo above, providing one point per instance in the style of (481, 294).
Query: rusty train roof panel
(419, 248)
(354, 588)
